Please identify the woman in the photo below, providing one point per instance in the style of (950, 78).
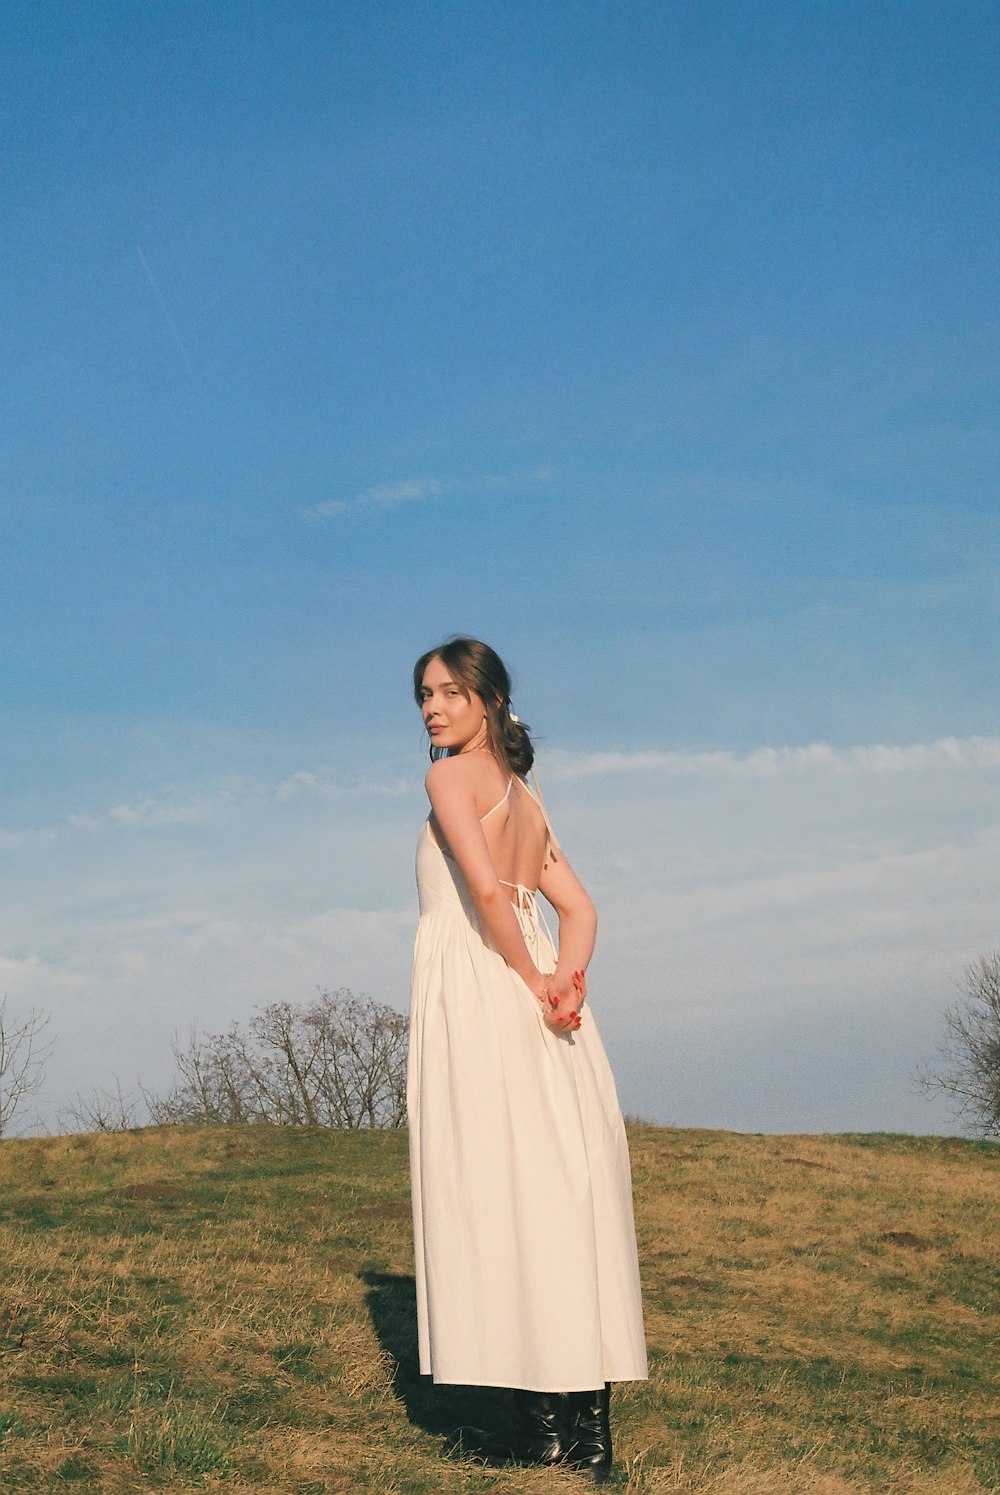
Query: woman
(526, 1264)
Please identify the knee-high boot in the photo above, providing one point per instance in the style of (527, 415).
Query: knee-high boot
(544, 1416)
(591, 1437)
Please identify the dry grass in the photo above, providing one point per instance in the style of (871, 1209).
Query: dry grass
(232, 1309)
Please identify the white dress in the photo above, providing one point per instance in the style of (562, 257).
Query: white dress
(526, 1266)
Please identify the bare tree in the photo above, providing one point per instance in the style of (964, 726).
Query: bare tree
(212, 1085)
(23, 1051)
(339, 1061)
(968, 1066)
(102, 1111)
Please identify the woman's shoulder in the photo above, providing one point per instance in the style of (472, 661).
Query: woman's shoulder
(471, 774)
(451, 773)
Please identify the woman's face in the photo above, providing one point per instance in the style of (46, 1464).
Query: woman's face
(453, 720)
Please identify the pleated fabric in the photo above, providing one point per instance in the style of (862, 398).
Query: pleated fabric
(526, 1266)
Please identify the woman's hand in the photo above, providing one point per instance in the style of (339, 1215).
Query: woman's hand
(538, 985)
(564, 998)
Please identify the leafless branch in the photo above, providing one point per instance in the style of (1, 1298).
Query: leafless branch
(102, 1111)
(23, 1052)
(339, 1061)
(968, 1067)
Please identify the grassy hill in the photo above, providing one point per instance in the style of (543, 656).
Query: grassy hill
(232, 1309)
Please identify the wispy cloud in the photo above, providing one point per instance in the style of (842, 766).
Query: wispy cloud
(171, 806)
(383, 496)
(175, 805)
(16, 840)
(167, 314)
(769, 762)
(323, 785)
(380, 497)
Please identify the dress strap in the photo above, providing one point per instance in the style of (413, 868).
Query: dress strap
(506, 797)
(539, 801)
(526, 908)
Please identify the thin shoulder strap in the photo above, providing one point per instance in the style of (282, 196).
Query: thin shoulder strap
(506, 796)
(537, 797)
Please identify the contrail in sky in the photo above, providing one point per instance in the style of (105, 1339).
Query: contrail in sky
(165, 309)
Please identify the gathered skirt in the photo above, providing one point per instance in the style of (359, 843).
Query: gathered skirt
(526, 1266)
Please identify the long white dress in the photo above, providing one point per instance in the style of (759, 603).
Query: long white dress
(526, 1266)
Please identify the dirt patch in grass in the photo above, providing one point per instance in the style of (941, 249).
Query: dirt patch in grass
(154, 1190)
(387, 1209)
(905, 1238)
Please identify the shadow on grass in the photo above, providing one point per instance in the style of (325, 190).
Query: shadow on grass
(475, 1421)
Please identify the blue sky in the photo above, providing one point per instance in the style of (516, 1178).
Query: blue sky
(656, 344)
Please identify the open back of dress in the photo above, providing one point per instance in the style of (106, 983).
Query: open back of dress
(526, 1266)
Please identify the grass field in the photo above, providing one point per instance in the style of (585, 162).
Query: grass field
(232, 1309)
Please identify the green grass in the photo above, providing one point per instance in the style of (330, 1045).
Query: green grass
(233, 1309)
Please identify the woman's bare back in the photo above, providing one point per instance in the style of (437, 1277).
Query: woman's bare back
(514, 826)
(517, 837)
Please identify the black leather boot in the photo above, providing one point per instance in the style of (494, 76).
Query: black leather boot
(591, 1433)
(543, 1416)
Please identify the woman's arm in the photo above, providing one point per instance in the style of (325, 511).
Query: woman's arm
(452, 796)
(577, 933)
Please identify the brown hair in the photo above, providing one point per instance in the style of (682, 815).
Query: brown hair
(478, 670)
